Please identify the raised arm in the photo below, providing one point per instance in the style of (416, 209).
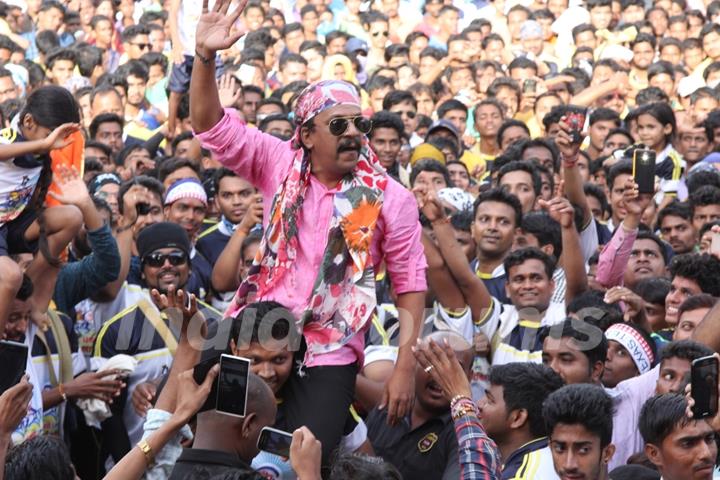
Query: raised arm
(616, 254)
(213, 34)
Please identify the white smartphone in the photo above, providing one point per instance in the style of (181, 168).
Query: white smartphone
(233, 385)
(245, 74)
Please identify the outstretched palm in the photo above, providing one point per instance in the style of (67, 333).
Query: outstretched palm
(214, 27)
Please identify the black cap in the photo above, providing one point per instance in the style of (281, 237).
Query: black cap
(162, 235)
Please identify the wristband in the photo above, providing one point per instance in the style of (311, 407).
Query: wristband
(203, 59)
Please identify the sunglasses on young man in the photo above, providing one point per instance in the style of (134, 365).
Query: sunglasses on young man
(157, 259)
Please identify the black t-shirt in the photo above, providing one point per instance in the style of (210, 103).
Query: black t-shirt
(196, 463)
(430, 451)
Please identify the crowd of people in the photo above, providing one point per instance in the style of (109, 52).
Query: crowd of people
(421, 221)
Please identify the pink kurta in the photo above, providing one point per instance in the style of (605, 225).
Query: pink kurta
(264, 161)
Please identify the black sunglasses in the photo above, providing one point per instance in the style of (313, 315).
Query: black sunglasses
(410, 114)
(338, 126)
(384, 33)
(157, 259)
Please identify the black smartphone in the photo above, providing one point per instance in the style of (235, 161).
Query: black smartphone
(529, 86)
(575, 120)
(644, 169)
(142, 208)
(232, 385)
(200, 371)
(704, 381)
(275, 441)
(13, 358)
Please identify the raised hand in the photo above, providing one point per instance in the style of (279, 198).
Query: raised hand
(253, 216)
(57, 138)
(214, 27)
(559, 208)
(228, 91)
(14, 405)
(190, 395)
(179, 307)
(74, 190)
(635, 202)
(567, 147)
(440, 363)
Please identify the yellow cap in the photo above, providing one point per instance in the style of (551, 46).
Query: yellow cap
(426, 151)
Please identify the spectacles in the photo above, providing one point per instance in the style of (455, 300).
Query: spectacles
(142, 46)
(408, 113)
(158, 259)
(339, 125)
(384, 33)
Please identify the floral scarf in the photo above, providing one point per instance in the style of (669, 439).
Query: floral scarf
(343, 296)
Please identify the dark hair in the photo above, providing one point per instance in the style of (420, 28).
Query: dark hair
(662, 246)
(291, 58)
(700, 268)
(449, 105)
(663, 113)
(653, 290)
(282, 327)
(150, 183)
(171, 165)
(133, 31)
(462, 220)
(509, 123)
(696, 302)
(46, 41)
(26, 289)
(500, 196)
(684, 349)
(599, 313)
(397, 97)
(604, 114)
(357, 466)
(135, 68)
(701, 178)
(291, 27)
(58, 54)
(544, 228)
(396, 50)
(645, 97)
(504, 82)
(660, 415)
(522, 255)
(99, 146)
(51, 106)
(581, 404)
(703, 196)
(43, 456)
(103, 118)
(385, 119)
(428, 165)
(522, 62)
(623, 167)
(379, 82)
(525, 387)
(593, 190)
(88, 57)
(674, 209)
(525, 166)
(554, 115)
(661, 67)
(582, 332)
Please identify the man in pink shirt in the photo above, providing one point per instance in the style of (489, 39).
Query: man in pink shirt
(333, 217)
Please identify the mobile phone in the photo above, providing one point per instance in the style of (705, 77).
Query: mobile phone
(275, 441)
(704, 381)
(575, 120)
(529, 85)
(232, 385)
(142, 208)
(200, 371)
(643, 166)
(13, 358)
(715, 244)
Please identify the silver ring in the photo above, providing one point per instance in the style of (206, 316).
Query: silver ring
(427, 369)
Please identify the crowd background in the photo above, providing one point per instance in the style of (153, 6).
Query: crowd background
(545, 265)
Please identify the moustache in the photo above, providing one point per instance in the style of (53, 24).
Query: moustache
(168, 270)
(349, 145)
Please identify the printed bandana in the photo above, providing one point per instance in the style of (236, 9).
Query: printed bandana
(343, 296)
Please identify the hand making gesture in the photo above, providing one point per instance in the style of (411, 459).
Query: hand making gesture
(214, 29)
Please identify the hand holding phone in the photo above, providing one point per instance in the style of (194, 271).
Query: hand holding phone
(13, 358)
(530, 85)
(275, 441)
(232, 385)
(644, 169)
(574, 119)
(704, 386)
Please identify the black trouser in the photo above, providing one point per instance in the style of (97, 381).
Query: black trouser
(320, 400)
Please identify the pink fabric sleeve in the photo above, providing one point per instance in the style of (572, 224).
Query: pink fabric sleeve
(257, 157)
(614, 257)
(403, 251)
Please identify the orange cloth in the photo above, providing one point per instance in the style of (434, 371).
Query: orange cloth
(71, 156)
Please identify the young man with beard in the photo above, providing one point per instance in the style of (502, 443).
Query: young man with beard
(137, 109)
(511, 413)
(386, 140)
(691, 274)
(141, 331)
(705, 205)
(575, 349)
(579, 423)
(423, 444)
(681, 448)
